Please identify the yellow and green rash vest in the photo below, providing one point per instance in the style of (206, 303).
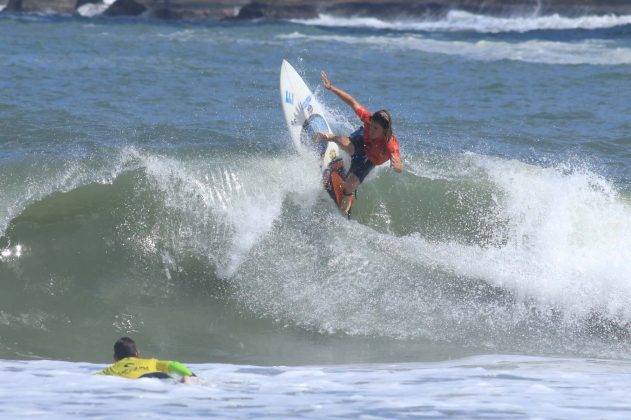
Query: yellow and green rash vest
(134, 368)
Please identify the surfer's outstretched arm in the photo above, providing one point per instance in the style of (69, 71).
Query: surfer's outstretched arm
(347, 98)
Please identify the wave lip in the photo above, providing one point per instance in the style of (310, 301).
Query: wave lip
(458, 21)
(569, 242)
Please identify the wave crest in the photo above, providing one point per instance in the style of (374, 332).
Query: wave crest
(459, 21)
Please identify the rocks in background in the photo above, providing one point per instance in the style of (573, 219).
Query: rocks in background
(305, 9)
(118, 8)
(195, 9)
(125, 8)
(393, 9)
(13, 6)
(80, 3)
(390, 10)
(31, 6)
(257, 10)
(543, 7)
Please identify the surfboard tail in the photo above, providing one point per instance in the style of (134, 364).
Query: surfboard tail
(335, 178)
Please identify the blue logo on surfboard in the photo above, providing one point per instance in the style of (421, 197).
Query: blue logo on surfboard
(289, 97)
(306, 102)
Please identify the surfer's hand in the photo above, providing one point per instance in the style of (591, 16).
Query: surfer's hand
(320, 137)
(325, 80)
(396, 164)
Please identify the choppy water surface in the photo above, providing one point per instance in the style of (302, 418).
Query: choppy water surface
(478, 387)
(148, 188)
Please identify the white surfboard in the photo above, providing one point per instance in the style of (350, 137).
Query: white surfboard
(305, 117)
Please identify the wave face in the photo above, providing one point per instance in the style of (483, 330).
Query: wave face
(150, 189)
(467, 250)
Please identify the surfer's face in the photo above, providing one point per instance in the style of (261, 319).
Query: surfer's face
(381, 125)
(376, 131)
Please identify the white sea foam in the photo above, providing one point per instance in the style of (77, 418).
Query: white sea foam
(94, 9)
(506, 386)
(594, 52)
(185, 35)
(463, 21)
(238, 202)
(569, 244)
(563, 244)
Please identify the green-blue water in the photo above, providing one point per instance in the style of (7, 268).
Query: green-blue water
(148, 187)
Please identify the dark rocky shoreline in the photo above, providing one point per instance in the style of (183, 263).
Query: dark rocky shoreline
(305, 9)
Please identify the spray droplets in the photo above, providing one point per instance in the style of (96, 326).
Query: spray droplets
(9, 253)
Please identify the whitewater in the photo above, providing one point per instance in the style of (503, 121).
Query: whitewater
(148, 187)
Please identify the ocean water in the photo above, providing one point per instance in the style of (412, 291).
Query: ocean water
(148, 187)
(477, 387)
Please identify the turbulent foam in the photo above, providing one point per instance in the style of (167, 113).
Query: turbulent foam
(563, 248)
(244, 202)
(570, 241)
(532, 51)
(463, 21)
(487, 386)
(568, 245)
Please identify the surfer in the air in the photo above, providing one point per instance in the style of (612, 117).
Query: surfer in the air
(128, 364)
(369, 146)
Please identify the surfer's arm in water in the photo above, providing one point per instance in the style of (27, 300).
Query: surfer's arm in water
(347, 98)
(185, 373)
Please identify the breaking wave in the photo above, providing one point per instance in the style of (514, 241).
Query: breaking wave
(594, 52)
(471, 249)
(458, 21)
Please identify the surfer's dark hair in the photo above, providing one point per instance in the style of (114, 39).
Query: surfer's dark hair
(124, 347)
(384, 119)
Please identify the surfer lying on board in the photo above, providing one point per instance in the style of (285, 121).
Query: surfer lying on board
(369, 146)
(128, 364)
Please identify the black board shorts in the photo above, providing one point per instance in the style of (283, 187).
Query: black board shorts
(159, 375)
(360, 165)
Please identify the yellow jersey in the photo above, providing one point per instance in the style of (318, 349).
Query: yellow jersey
(134, 368)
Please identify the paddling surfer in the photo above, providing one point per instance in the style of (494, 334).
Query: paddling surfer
(128, 364)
